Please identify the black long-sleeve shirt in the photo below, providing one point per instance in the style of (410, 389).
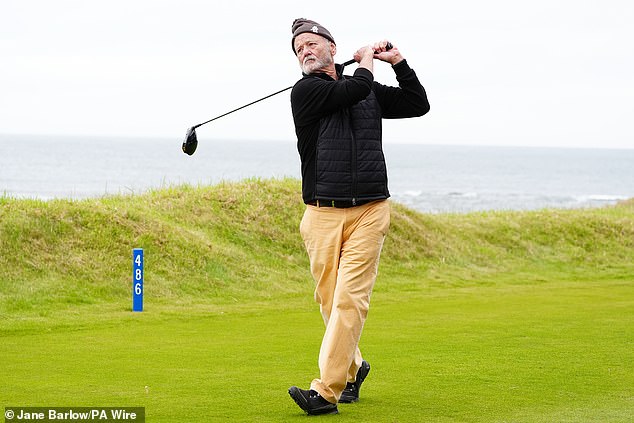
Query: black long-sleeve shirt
(318, 96)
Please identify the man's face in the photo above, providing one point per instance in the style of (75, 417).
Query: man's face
(314, 52)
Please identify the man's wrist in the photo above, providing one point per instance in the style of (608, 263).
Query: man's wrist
(396, 60)
(400, 64)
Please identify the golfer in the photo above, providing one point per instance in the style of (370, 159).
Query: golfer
(344, 185)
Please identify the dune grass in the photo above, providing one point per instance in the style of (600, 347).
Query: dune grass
(482, 317)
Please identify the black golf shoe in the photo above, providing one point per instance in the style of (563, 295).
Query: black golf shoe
(311, 402)
(351, 393)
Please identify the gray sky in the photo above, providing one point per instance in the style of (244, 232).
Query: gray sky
(497, 72)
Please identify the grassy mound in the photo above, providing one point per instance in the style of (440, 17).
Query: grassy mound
(237, 241)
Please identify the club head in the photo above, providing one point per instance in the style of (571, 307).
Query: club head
(191, 142)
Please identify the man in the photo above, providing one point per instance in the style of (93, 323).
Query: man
(344, 185)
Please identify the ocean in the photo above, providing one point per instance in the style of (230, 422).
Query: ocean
(428, 178)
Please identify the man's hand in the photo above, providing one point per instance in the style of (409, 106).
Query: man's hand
(365, 57)
(391, 56)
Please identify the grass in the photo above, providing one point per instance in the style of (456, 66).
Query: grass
(483, 317)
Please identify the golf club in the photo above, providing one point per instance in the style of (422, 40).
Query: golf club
(191, 141)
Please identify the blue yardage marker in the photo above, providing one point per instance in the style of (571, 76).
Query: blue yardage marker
(137, 279)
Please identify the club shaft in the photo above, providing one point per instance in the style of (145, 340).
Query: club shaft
(349, 62)
(246, 105)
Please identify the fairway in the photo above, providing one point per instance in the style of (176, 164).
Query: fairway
(551, 352)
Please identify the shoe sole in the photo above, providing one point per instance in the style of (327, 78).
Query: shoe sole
(300, 400)
(348, 400)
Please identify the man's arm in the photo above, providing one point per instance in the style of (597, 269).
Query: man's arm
(408, 100)
(314, 97)
(365, 57)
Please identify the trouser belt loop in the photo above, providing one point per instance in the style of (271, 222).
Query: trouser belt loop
(320, 203)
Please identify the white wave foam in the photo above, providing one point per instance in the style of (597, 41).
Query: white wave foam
(413, 193)
(600, 197)
(463, 194)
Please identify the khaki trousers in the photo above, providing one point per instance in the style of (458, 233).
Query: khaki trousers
(343, 246)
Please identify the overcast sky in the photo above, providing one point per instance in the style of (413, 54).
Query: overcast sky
(497, 72)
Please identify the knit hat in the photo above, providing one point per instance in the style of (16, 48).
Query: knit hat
(302, 25)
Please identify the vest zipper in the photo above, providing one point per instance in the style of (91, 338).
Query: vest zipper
(353, 160)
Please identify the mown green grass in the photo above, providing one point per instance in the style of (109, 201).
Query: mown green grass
(556, 353)
(484, 317)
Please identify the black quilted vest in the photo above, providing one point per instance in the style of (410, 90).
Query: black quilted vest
(350, 164)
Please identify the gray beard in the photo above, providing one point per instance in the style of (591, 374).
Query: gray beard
(316, 65)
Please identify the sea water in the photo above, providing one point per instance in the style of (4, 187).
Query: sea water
(428, 178)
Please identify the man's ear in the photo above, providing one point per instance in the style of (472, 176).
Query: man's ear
(333, 48)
